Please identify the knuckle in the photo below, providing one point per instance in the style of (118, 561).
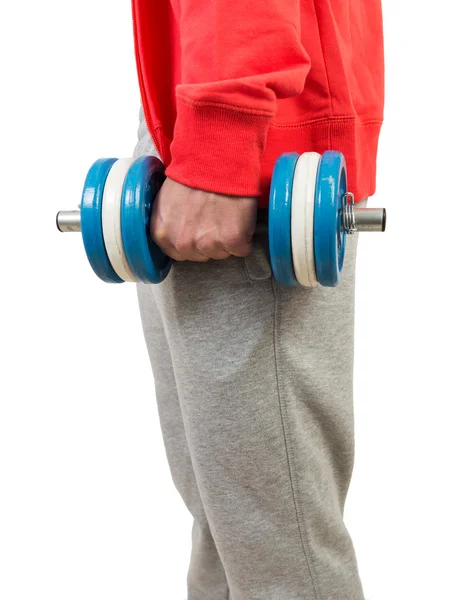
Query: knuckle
(234, 235)
(183, 246)
(231, 241)
(237, 241)
(160, 237)
(244, 250)
(205, 247)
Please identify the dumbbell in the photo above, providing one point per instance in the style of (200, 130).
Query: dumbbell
(309, 216)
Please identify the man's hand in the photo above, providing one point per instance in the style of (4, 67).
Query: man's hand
(191, 224)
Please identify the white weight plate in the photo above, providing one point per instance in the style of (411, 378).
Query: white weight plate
(303, 208)
(111, 219)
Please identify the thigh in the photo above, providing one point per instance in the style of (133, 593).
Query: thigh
(206, 574)
(170, 416)
(264, 375)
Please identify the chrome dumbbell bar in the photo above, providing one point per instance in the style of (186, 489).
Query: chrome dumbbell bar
(354, 219)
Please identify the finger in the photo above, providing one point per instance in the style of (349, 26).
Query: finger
(166, 246)
(214, 252)
(172, 252)
(190, 253)
(240, 250)
(201, 259)
(181, 252)
(222, 255)
(208, 246)
(177, 251)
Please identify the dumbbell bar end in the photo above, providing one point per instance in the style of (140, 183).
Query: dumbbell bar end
(68, 221)
(370, 219)
(365, 219)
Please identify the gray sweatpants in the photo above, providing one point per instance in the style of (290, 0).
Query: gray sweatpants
(254, 391)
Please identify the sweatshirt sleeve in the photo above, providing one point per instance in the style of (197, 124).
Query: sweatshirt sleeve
(238, 57)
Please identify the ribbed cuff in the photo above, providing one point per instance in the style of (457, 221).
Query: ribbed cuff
(218, 148)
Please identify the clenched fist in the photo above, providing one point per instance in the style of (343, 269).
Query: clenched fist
(191, 224)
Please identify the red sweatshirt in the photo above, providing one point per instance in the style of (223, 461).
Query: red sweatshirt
(228, 85)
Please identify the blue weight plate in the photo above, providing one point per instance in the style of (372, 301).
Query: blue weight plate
(329, 235)
(91, 220)
(143, 181)
(280, 214)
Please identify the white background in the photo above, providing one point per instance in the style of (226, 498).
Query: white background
(87, 506)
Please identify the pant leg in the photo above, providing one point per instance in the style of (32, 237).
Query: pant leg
(264, 380)
(206, 578)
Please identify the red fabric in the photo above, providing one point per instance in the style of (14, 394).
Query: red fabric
(229, 85)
